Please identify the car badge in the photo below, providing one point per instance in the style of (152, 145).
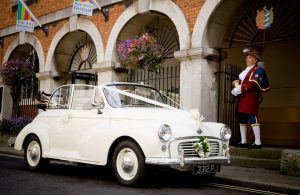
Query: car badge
(199, 131)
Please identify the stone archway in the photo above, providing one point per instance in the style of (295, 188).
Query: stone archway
(30, 39)
(49, 71)
(168, 8)
(25, 46)
(218, 26)
(143, 9)
(167, 77)
(74, 56)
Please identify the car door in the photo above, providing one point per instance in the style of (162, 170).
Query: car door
(57, 119)
(86, 121)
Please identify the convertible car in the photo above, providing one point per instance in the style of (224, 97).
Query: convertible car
(125, 125)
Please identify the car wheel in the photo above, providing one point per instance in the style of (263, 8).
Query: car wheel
(33, 154)
(128, 163)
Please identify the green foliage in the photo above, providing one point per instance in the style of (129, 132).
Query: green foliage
(202, 146)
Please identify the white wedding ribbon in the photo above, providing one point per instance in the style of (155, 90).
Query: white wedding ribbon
(150, 101)
(194, 113)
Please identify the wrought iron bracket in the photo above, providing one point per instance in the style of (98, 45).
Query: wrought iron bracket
(45, 30)
(105, 13)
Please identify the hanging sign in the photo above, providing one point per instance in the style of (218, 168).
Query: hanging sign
(264, 18)
(84, 7)
(25, 21)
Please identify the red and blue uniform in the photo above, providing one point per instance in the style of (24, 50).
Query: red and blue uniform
(255, 82)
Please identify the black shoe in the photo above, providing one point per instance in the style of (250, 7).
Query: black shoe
(254, 146)
(241, 145)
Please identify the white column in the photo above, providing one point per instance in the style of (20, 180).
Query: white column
(198, 84)
(106, 72)
(7, 102)
(47, 84)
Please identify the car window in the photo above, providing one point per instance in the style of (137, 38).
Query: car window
(113, 98)
(116, 99)
(83, 97)
(61, 98)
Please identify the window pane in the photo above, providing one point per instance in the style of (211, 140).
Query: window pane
(61, 98)
(83, 97)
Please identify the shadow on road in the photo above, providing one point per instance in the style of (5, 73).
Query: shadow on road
(154, 177)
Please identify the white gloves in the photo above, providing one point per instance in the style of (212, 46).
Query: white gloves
(237, 90)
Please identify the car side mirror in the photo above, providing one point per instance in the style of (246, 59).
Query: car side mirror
(100, 106)
(42, 106)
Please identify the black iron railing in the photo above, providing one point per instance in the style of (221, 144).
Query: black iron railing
(166, 80)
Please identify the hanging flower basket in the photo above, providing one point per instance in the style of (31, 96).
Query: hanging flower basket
(142, 52)
(202, 147)
(14, 72)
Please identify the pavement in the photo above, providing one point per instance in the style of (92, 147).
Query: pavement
(263, 179)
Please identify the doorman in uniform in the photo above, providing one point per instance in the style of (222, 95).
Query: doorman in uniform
(252, 82)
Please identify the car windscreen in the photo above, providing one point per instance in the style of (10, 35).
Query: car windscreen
(132, 96)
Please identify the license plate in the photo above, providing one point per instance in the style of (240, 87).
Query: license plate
(204, 169)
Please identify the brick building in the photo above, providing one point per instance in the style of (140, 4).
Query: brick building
(202, 40)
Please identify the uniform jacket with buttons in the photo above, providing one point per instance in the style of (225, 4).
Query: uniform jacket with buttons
(255, 82)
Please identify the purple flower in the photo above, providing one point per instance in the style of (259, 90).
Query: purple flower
(14, 71)
(141, 52)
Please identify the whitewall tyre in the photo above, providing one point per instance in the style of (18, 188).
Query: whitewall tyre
(128, 163)
(33, 154)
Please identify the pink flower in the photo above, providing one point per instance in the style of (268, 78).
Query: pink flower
(141, 52)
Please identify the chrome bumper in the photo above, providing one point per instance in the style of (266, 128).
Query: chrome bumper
(187, 161)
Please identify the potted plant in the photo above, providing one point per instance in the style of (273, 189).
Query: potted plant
(141, 52)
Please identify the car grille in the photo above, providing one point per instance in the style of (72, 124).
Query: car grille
(188, 148)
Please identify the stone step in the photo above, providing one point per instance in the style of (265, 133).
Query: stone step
(265, 152)
(242, 161)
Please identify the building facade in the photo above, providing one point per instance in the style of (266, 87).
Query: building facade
(202, 41)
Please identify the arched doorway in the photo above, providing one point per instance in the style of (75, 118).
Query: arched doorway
(74, 56)
(24, 104)
(167, 78)
(278, 42)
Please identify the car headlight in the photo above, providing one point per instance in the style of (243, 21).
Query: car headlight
(165, 133)
(225, 133)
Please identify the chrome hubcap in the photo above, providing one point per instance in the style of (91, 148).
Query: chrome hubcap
(127, 163)
(34, 153)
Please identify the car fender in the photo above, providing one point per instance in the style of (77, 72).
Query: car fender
(38, 129)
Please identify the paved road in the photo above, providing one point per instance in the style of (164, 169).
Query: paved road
(66, 178)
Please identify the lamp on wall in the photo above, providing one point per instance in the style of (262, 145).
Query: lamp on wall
(45, 30)
(105, 13)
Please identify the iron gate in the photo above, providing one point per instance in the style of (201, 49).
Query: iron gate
(166, 80)
(226, 111)
(25, 105)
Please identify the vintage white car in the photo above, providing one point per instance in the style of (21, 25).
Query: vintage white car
(125, 125)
